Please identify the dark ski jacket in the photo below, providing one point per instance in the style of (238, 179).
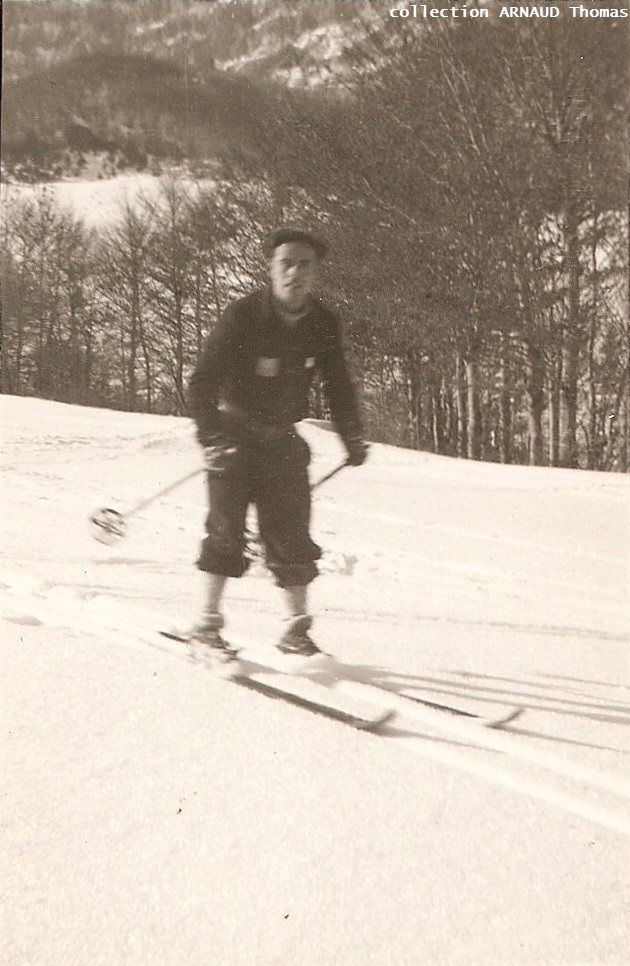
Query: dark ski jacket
(255, 371)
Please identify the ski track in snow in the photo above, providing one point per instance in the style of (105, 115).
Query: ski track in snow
(58, 606)
(528, 605)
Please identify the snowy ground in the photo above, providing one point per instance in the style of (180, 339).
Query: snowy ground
(153, 814)
(97, 201)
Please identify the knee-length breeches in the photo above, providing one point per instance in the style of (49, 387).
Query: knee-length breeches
(273, 477)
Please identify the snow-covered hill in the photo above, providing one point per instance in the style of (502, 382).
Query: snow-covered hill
(96, 202)
(155, 814)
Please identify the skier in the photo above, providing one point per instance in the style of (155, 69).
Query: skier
(248, 390)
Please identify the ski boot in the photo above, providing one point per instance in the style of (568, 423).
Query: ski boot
(209, 644)
(300, 650)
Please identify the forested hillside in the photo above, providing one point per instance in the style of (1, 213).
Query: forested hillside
(471, 176)
(136, 84)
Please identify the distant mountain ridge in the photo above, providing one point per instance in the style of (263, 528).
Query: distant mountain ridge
(131, 108)
(142, 83)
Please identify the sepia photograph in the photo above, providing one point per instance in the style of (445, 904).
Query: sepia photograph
(315, 483)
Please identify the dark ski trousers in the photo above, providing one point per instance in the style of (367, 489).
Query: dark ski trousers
(274, 477)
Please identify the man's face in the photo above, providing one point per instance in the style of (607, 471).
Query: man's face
(293, 271)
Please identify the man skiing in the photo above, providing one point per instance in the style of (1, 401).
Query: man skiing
(248, 390)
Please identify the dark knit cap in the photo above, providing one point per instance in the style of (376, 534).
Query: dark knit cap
(293, 233)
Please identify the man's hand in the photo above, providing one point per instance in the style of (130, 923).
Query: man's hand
(357, 450)
(218, 457)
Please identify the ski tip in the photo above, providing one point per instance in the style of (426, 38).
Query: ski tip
(505, 719)
(175, 635)
(376, 723)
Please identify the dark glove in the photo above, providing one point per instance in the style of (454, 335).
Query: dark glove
(357, 450)
(218, 457)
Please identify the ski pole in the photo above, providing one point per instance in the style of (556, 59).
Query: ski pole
(329, 475)
(110, 525)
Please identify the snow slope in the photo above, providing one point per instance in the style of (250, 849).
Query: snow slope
(154, 814)
(96, 201)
